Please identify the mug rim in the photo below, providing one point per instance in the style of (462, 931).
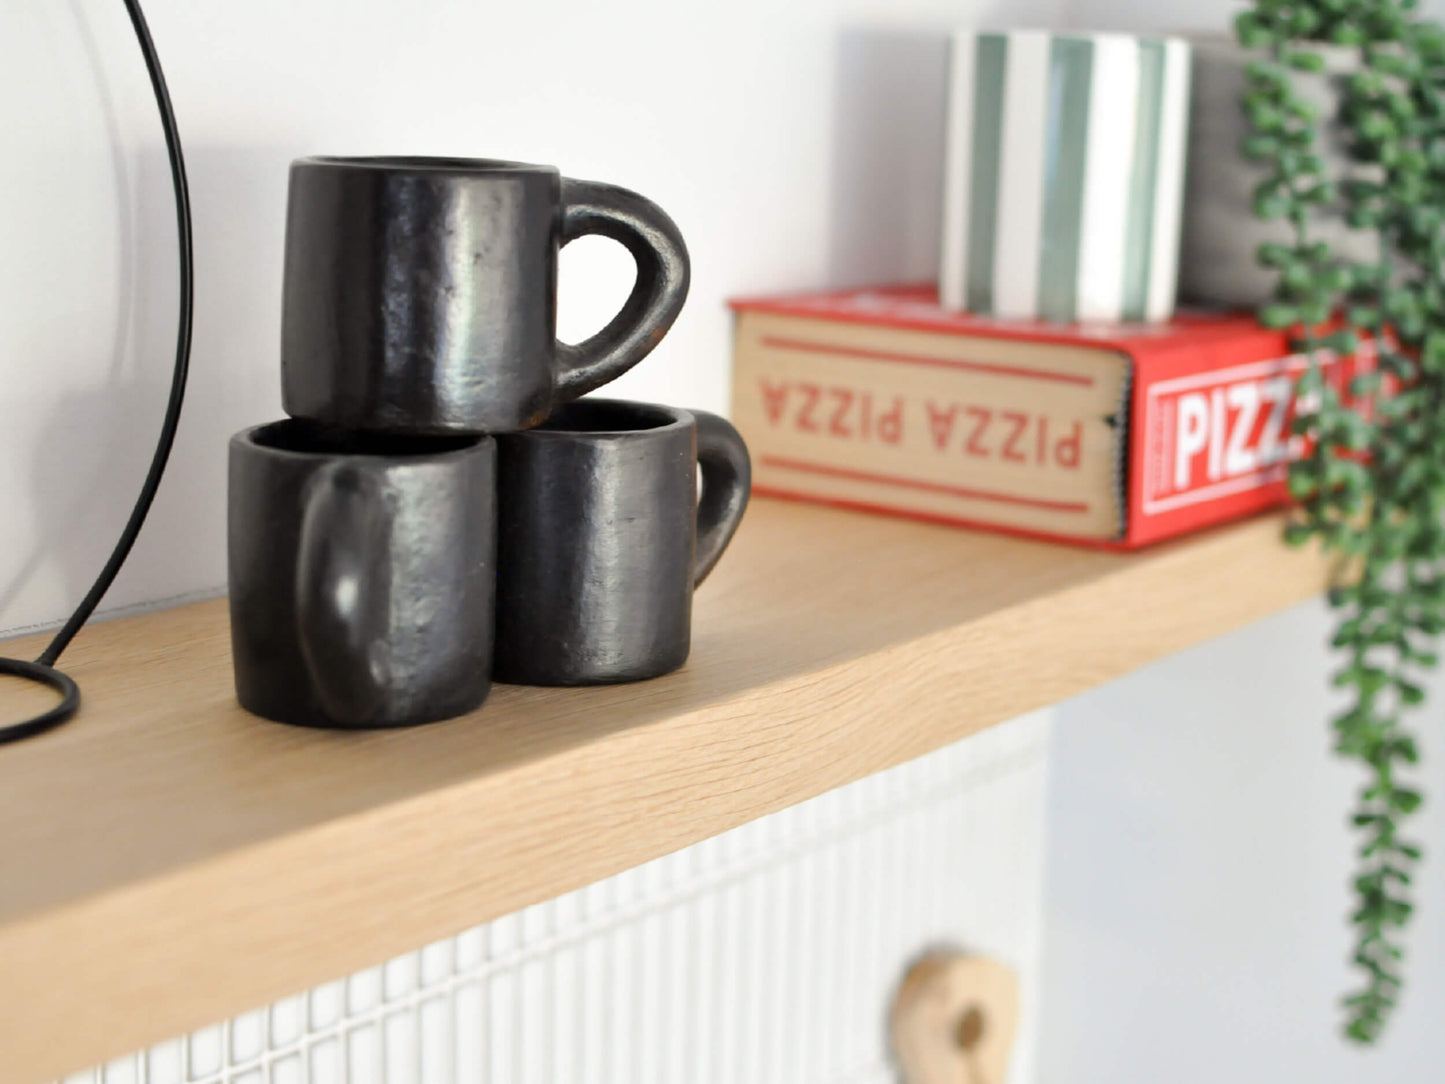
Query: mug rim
(403, 163)
(461, 445)
(676, 418)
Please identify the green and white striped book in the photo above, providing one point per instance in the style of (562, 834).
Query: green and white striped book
(1063, 176)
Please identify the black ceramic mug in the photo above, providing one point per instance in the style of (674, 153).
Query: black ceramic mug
(420, 293)
(362, 574)
(601, 538)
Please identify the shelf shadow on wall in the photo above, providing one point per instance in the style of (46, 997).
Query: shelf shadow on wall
(103, 435)
(98, 435)
(73, 499)
(97, 421)
(888, 155)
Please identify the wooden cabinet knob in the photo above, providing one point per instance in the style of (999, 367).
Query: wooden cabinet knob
(953, 1020)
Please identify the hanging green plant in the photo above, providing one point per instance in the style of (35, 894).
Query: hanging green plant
(1370, 486)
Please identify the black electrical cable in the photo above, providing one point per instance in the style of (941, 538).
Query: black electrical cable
(42, 670)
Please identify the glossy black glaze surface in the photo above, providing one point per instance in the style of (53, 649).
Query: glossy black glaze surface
(362, 575)
(420, 293)
(601, 538)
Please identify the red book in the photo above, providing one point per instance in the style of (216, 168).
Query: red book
(1112, 435)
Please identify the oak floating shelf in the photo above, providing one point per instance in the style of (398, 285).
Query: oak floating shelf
(167, 860)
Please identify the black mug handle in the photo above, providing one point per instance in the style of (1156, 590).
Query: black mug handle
(342, 584)
(727, 481)
(645, 230)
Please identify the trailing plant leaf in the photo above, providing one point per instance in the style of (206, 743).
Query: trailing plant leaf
(1370, 486)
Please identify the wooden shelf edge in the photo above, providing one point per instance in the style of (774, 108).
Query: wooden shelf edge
(143, 960)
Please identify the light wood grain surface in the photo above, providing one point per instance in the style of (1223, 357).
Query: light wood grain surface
(167, 860)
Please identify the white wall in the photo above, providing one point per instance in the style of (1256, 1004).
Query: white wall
(1198, 875)
(792, 141)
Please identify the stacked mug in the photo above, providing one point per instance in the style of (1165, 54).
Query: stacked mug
(441, 506)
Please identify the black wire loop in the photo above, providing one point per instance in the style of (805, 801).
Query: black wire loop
(43, 675)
